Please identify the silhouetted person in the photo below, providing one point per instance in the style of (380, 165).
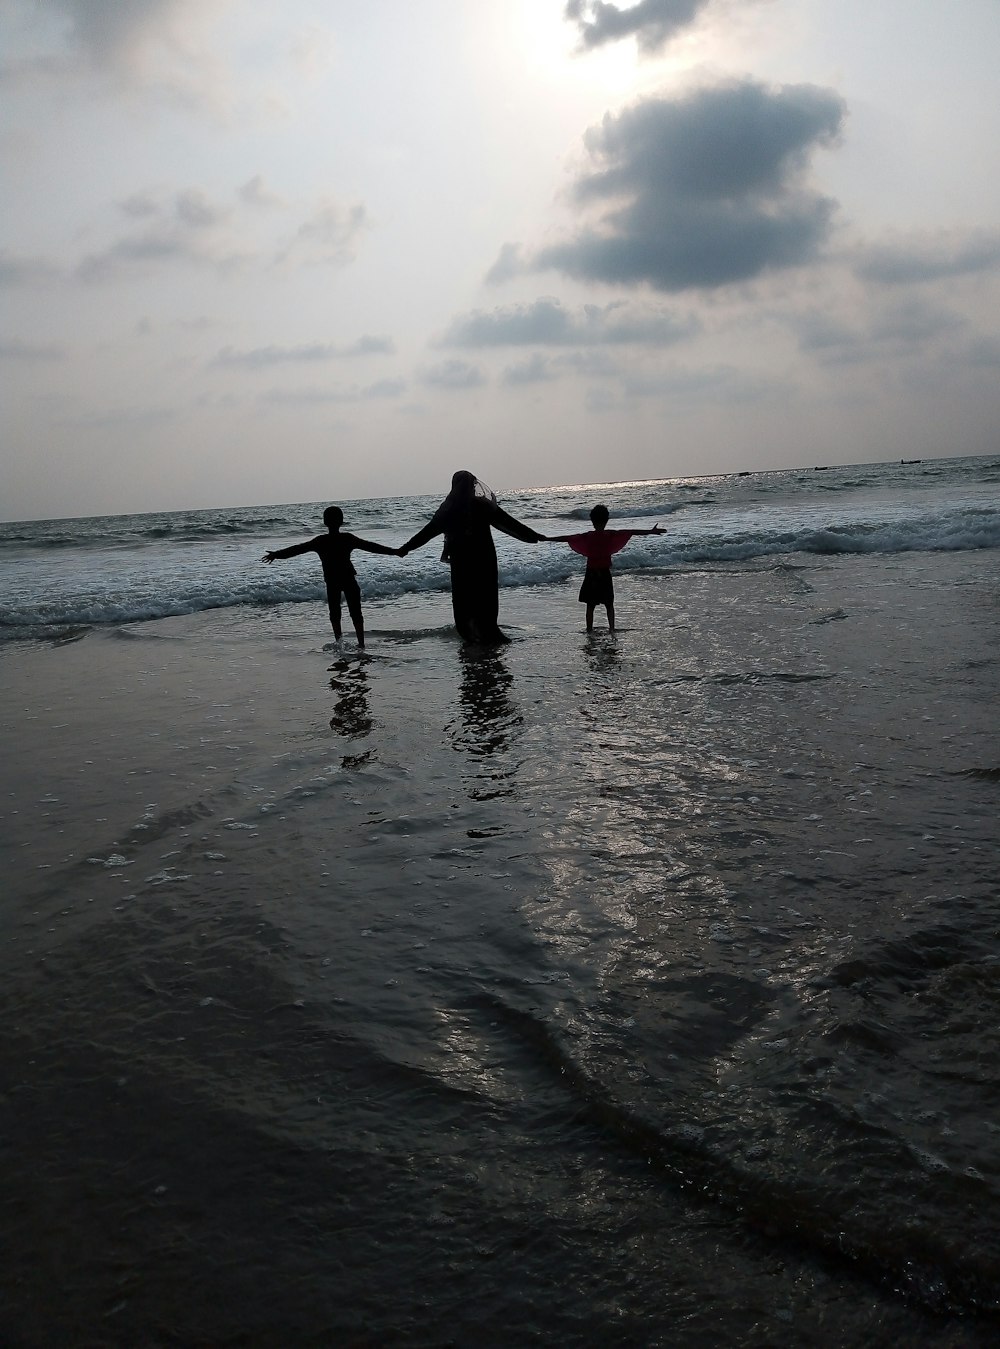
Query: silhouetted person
(465, 518)
(334, 551)
(597, 546)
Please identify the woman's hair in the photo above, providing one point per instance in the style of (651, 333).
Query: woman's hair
(600, 513)
(333, 517)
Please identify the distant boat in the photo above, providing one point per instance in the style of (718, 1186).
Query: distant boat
(911, 461)
(820, 468)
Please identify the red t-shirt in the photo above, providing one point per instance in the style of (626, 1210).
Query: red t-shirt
(597, 545)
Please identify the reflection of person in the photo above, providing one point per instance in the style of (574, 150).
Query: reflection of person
(597, 546)
(351, 715)
(334, 551)
(464, 518)
(488, 723)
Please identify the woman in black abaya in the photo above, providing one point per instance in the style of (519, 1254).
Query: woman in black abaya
(465, 518)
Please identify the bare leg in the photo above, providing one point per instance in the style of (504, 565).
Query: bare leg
(357, 618)
(611, 617)
(590, 617)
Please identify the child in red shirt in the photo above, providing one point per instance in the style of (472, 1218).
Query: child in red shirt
(597, 546)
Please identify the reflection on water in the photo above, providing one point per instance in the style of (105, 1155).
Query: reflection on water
(489, 717)
(351, 713)
(602, 652)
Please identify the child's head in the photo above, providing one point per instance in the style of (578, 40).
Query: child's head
(333, 517)
(599, 517)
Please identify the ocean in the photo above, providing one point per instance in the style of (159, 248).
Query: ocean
(601, 989)
(120, 569)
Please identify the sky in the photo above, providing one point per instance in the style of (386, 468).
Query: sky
(328, 250)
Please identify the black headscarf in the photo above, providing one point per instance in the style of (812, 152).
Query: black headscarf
(465, 489)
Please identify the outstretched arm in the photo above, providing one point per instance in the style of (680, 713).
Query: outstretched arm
(293, 551)
(429, 531)
(368, 547)
(501, 520)
(657, 529)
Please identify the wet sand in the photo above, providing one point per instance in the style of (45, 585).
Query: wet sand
(405, 1000)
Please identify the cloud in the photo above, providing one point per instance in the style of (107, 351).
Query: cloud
(255, 192)
(593, 363)
(510, 262)
(547, 323)
(156, 44)
(922, 260)
(329, 236)
(16, 350)
(536, 369)
(652, 22)
(111, 33)
(17, 270)
(127, 418)
(701, 191)
(983, 353)
(380, 389)
(719, 383)
(912, 322)
(187, 227)
(902, 329)
(454, 375)
(259, 358)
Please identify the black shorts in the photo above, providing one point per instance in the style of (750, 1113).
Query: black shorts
(597, 586)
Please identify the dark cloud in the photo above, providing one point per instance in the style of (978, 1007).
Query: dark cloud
(652, 22)
(921, 261)
(454, 375)
(704, 190)
(260, 358)
(547, 323)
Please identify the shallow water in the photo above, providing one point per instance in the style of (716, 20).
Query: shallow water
(635, 989)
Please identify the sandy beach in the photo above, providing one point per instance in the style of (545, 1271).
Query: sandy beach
(634, 990)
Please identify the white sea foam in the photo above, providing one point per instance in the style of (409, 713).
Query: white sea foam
(120, 570)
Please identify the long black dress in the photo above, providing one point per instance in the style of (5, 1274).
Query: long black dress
(469, 549)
